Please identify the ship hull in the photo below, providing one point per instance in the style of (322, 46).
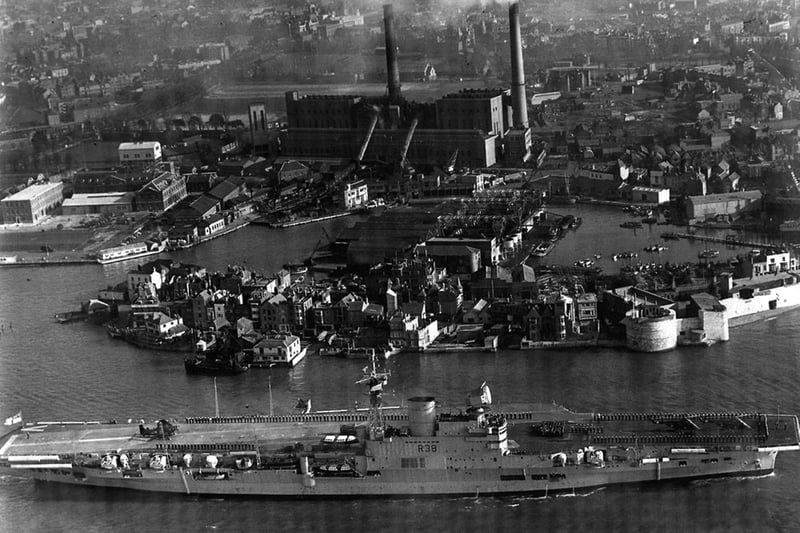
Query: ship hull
(289, 484)
(446, 464)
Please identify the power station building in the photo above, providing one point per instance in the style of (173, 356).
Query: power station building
(478, 127)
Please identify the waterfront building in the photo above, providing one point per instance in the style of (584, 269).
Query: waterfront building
(213, 224)
(105, 203)
(161, 193)
(160, 326)
(733, 204)
(650, 195)
(765, 263)
(278, 350)
(31, 204)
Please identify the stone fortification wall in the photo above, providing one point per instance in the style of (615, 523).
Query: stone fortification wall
(776, 298)
(652, 334)
(715, 324)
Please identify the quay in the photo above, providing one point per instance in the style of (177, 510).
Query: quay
(729, 239)
(302, 221)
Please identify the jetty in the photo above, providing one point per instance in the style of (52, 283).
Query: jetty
(732, 240)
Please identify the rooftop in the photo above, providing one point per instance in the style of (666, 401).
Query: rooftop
(99, 199)
(722, 197)
(144, 145)
(33, 191)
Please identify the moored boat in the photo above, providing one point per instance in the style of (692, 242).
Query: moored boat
(215, 367)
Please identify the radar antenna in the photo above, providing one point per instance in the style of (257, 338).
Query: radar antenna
(376, 381)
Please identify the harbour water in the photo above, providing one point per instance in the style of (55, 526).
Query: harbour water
(76, 372)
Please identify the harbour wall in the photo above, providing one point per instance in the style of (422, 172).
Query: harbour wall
(662, 333)
(744, 310)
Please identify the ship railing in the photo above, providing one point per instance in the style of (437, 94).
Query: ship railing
(206, 447)
(298, 418)
(663, 439)
(668, 417)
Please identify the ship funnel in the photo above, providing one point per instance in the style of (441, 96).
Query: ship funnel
(519, 106)
(422, 416)
(392, 67)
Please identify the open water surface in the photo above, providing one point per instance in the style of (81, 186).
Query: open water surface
(76, 372)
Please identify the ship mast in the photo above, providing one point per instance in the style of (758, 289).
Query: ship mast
(375, 380)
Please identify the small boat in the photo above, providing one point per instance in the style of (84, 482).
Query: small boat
(542, 249)
(624, 255)
(71, 316)
(655, 248)
(708, 254)
(631, 224)
(670, 236)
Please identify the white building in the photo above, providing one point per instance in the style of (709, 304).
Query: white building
(32, 203)
(355, 194)
(278, 350)
(140, 153)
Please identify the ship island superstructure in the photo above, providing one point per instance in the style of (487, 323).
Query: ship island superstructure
(540, 449)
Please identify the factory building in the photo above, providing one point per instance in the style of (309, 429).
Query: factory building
(32, 203)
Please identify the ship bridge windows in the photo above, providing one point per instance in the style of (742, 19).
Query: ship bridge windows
(412, 462)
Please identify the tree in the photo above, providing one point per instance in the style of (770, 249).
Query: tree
(216, 121)
(195, 123)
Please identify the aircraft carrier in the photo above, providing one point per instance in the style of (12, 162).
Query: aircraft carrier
(481, 449)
